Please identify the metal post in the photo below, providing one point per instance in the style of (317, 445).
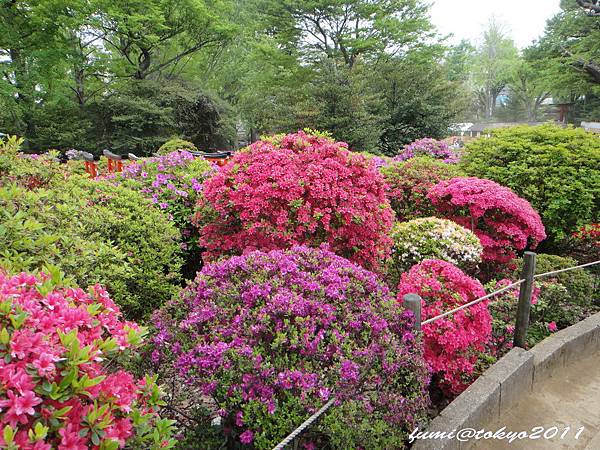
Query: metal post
(413, 303)
(525, 292)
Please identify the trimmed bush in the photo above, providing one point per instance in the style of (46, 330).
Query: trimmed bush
(268, 338)
(173, 182)
(431, 148)
(97, 233)
(504, 223)
(452, 344)
(409, 182)
(432, 238)
(174, 145)
(56, 345)
(556, 169)
(309, 190)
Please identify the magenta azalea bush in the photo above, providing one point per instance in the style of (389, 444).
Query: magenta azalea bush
(429, 147)
(56, 391)
(503, 222)
(452, 344)
(268, 338)
(305, 190)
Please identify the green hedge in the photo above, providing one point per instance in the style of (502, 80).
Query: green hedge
(96, 233)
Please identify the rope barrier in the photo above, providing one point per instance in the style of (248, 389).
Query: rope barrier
(304, 425)
(474, 302)
(566, 270)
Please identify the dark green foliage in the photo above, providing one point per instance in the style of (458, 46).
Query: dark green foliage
(556, 169)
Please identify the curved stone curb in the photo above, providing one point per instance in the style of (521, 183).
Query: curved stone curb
(501, 387)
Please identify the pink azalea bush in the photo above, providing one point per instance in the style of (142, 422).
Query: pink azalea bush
(452, 344)
(55, 391)
(429, 147)
(304, 190)
(269, 338)
(503, 222)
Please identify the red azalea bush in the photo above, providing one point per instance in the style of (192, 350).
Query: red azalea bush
(268, 338)
(504, 222)
(305, 190)
(452, 344)
(55, 391)
(409, 182)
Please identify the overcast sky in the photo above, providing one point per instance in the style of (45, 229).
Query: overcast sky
(465, 19)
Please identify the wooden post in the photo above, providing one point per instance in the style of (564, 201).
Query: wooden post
(413, 303)
(525, 293)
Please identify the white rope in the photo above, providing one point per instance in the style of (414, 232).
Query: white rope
(474, 302)
(304, 425)
(565, 270)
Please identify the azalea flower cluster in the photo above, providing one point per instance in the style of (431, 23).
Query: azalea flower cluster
(305, 190)
(429, 147)
(270, 337)
(504, 222)
(432, 238)
(54, 390)
(174, 183)
(409, 182)
(453, 343)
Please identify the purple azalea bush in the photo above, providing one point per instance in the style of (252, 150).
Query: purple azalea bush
(266, 339)
(429, 147)
(173, 182)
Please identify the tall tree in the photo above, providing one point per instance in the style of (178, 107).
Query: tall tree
(493, 64)
(350, 29)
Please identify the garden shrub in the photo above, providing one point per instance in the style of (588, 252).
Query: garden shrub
(28, 171)
(452, 344)
(174, 145)
(556, 304)
(268, 338)
(408, 184)
(98, 233)
(431, 148)
(56, 346)
(431, 238)
(504, 223)
(309, 190)
(584, 246)
(173, 182)
(556, 169)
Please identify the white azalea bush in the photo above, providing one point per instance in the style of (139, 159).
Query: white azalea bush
(432, 238)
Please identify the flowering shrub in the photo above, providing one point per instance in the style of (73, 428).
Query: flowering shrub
(270, 337)
(28, 171)
(173, 182)
(429, 147)
(308, 190)
(452, 344)
(584, 246)
(55, 391)
(503, 222)
(431, 238)
(176, 144)
(409, 182)
(559, 301)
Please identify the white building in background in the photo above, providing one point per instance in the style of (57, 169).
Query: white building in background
(591, 127)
